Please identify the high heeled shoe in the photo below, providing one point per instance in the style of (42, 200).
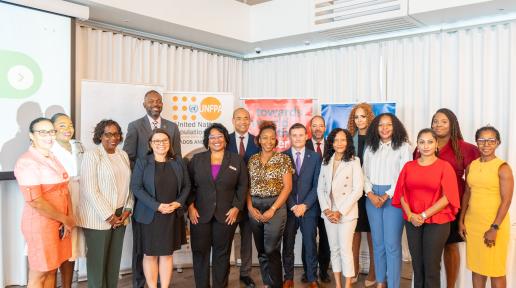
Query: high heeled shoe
(368, 283)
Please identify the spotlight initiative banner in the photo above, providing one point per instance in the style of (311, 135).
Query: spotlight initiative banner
(284, 112)
(336, 115)
(195, 111)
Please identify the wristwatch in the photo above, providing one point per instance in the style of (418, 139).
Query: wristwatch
(423, 214)
(495, 226)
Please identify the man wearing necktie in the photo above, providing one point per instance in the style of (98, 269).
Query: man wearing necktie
(136, 145)
(243, 143)
(303, 207)
(318, 144)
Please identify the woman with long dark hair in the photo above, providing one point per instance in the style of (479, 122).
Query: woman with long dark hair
(339, 188)
(459, 153)
(387, 150)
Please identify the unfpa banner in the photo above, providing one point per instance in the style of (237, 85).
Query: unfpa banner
(283, 112)
(193, 112)
(336, 115)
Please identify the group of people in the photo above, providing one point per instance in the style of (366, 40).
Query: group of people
(361, 178)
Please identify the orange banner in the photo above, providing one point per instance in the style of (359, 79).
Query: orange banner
(284, 112)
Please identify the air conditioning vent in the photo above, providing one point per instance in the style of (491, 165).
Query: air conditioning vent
(371, 28)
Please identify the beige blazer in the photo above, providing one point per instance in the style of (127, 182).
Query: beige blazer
(98, 189)
(347, 185)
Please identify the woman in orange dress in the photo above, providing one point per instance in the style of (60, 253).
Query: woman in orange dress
(47, 216)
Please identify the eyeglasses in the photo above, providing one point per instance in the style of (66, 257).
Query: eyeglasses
(160, 142)
(486, 141)
(112, 135)
(46, 132)
(215, 137)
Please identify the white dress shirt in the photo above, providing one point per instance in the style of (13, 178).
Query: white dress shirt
(315, 145)
(237, 139)
(383, 166)
(151, 121)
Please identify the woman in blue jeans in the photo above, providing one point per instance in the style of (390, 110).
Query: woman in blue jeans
(387, 150)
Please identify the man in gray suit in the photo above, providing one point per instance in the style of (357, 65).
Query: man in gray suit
(136, 145)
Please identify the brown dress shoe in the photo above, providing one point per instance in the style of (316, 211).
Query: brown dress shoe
(313, 285)
(288, 284)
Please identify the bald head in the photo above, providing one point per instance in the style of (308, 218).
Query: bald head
(241, 120)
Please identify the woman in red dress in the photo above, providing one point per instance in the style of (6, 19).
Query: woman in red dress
(459, 153)
(47, 215)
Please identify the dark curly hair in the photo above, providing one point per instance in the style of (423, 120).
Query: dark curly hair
(350, 147)
(101, 126)
(219, 127)
(352, 127)
(432, 132)
(171, 154)
(264, 125)
(399, 133)
(455, 134)
(488, 128)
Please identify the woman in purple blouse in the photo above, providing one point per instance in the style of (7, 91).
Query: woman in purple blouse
(219, 189)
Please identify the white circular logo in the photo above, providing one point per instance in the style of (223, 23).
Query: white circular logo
(20, 77)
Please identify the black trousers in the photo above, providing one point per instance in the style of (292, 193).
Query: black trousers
(246, 245)
(267, 238)
(426, 245)
(213, 238)
(138, 276)
(323, 255)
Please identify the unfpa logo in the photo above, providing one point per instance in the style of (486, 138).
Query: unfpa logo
(210, 108)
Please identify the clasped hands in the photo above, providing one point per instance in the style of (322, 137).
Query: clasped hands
(416, 219)
(167, 208)
(117, 221)
(261, 217)
(376, 200)
(299, 210)
(333, 216)
(231, 215)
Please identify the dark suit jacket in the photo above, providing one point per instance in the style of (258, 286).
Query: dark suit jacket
(250, 150)
(310, 145)
(138, 133)
(304, 185)
(143, 187)
(228, 190)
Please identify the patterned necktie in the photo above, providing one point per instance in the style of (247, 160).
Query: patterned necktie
(319, 149)
(241, 151)
(155, 124)
(298, 162)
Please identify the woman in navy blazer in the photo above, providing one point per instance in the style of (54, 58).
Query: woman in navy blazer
(161, 184)
(219, 189)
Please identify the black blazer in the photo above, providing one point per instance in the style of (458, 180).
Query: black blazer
(138, 132)
(250, 150)
(143, 187)
(228, 190)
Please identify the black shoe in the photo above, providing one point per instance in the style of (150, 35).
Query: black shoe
(248, 281)
(325, 277)
(304, 279)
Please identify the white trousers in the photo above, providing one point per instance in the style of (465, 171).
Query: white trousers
(340, 238)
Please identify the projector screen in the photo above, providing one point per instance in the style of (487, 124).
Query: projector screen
(35, 75)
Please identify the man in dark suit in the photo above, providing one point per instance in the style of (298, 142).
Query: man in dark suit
(318, 144)
(136, 145)
(242, 143)
(303, 207)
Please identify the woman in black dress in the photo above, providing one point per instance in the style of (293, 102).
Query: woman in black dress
(359, 119)
(161, 184)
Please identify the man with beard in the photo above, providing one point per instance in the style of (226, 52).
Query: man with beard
(136, 145)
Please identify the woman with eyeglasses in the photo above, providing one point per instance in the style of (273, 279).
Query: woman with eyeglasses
(459, 153)
(484, 219)
(161, 185)
(69, 153)
(106, 204)
(47, 218)
(219, 189)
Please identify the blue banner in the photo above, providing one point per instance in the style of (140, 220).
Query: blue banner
(336, 115)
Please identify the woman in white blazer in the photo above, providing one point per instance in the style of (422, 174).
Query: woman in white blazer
(339, 188)
(106, 204)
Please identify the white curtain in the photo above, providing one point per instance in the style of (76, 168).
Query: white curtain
(471, 71)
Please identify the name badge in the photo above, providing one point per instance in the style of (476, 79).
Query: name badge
(232, 168)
